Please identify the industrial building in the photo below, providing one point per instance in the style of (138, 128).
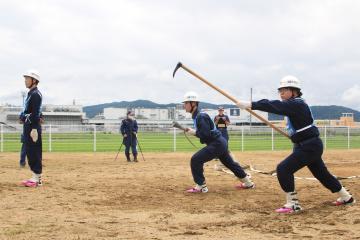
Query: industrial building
(53, 114)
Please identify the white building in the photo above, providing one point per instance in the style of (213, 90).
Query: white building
(53, 114)
(159, 115)
(153, 114)
(238, 116)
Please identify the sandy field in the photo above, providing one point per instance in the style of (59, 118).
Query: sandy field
(91, 196)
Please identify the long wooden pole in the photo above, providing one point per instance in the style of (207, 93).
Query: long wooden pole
(234, 100)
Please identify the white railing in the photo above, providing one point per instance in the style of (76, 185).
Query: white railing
(87, 138)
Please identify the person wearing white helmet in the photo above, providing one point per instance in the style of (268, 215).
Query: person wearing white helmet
(216, 146)
(31, 118)
(308, 147)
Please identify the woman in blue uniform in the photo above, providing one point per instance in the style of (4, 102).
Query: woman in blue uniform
(216, 146)
(31, 117)
(308, 147)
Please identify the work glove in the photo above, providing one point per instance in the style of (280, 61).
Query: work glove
(243, 104)
(34, 135)
(190, 131)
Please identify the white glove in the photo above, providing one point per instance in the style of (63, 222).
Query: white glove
(34, 135)
(190, 131)
(243, 104)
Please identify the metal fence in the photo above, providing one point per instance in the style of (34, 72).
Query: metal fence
(158, 138)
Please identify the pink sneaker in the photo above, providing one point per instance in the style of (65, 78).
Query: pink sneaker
(196, 190)
(295, 208)
(193, 190)
(243, 186)
(340, 203)
(30, 183)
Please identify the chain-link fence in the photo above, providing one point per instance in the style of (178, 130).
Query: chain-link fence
(158, 138)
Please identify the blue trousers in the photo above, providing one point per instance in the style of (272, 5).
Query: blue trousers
(217, 148)
(307, 153)
(130, 142)
(23, 154)
(33, 149)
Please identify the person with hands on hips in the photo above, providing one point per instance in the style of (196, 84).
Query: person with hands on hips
(308, 147)
(31, 118)
(216, 146)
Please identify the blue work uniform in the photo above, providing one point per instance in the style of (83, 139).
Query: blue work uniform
(216, 146)
(31, 118)
(221, 125)
(308, 147)
(130, 128)
(22, 152)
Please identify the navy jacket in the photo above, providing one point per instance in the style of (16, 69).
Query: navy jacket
(205, 127)
(32, 109)
(221, 123)
(128, 127)
(300, 122)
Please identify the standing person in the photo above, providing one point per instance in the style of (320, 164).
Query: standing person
(32, 128)
(129, 129)
(308, 147)
(216, 146)
(222, 121)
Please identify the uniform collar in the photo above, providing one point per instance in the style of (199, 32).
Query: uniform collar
(32, 90)
(195, 113)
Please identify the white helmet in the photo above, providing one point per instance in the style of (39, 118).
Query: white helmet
(289, 81)
(33, 73)
(191, 97)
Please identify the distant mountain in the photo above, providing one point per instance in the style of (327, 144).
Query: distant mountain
(319, 112)
(92, 111)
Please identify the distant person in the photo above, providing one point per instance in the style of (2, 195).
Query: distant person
(308, 147)
(216, 146)
(129, 129)
(222, 121)
(31, 118)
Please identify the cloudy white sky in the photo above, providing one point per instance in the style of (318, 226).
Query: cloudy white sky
(103, 51)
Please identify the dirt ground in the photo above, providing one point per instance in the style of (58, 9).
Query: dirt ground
(91, 196)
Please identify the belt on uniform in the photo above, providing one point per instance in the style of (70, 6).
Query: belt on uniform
(307, 141)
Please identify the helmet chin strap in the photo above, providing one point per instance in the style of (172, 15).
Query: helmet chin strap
(33, 81)
(192, 110)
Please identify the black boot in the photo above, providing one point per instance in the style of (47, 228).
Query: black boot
(128, 157)
(135, 157)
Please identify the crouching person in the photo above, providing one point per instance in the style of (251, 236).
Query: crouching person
(216, 147)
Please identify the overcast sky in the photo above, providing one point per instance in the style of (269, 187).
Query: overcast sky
(104, 51)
